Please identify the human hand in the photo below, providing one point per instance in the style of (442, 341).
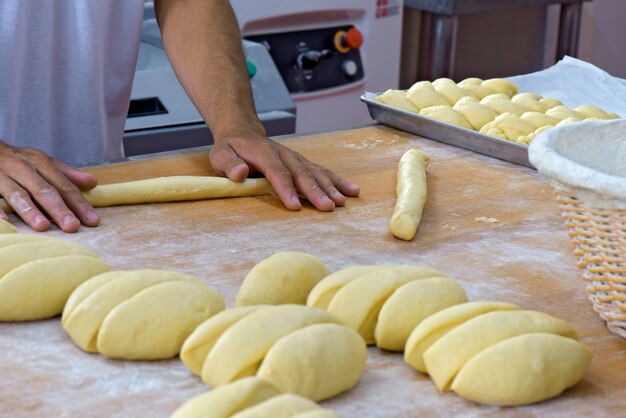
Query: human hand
(287, 171)
(34, 184)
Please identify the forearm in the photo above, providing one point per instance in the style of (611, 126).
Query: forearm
(203, 43)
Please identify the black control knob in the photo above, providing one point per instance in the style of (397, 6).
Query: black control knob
(310, 59)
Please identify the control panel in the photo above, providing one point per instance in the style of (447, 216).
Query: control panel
(316, 59)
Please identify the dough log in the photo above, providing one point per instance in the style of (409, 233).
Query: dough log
(170, 189)
(411, 192)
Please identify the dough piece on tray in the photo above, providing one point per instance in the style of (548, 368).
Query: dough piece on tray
(564, 112)
(569, 120)
(284, 277)
(550, 103)
(511, 125)
(438, 324)
(531, 101)
(138, 315)
(445, 358)
(477, 114)
(528, 138)
(397, 98)
(538, 119)
(591, 111)
(411, 191)
(422, 94)
(501, 104)
(500, 85)
(474, 87)
(524, 369)
(449, 90)
(447, 114)
(282, 406)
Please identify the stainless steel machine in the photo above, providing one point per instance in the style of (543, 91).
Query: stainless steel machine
(162, 118)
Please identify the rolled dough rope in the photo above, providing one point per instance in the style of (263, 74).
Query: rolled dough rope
(411, 192)
(170, 189)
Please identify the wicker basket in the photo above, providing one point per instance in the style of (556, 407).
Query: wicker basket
(589, 163)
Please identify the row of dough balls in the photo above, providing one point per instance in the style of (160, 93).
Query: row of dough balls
(487, 352)
(251, 397)
(300, 350)
(492, 107)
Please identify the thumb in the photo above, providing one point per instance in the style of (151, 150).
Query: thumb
(226, 162)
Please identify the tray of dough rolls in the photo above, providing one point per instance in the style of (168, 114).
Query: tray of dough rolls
(486, 116)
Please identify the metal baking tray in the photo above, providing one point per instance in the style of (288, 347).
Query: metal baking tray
(445, 132)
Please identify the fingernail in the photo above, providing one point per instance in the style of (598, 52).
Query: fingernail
(295, 200)
(69, 220)
(92, 216)
(40, 219)
(337, 195)
(326, 199)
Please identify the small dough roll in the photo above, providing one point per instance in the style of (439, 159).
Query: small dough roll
(412, 303)
(446, 357)
(284, 277)
(564, 112)
(197, 346)
(474, 87)
(502, 104)
(39, 289)
(446, 114)
(359, 302)
(530, 101)
(239, 350)
(138, 315)
(500, 85)
(524, 369)
(6, 228)
(411, 194)
(568, 121)
(12, 239)
(422, 94)
(511, 125)
(550, 103)
(227, 400)
(282, 406)
(591, 111)
(449, 90)
(538, 119)
(440, 323)
(477, 114)
(398, 99)
(335, 353)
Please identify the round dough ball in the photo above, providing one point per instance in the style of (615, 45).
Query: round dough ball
(138, 315)
(411, 304)
(446, 357)
(438, 324)
(317, 362)
(524, 369)
(227, 400)
(284, 277)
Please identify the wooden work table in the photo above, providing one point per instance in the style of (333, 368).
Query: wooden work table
(525, 258)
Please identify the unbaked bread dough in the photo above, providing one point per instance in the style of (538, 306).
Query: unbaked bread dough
(564, 112)
(411, 304)
(282, 406)
(227, 400)
(510, 125)
(170, 189)
(500, 85)
(538, 119)
(6, 228)
(284, 277)
(358, 303)
(428, 331)
(411, 194)
(521, 370)
(253, 341)
(477, 115)
(138, 315)
(318, 361)
(422, 94)
(531, 101)
(449, 90)
(397, 98)
(500, 103)
(445, 113)
(317, 413)
(445, 358)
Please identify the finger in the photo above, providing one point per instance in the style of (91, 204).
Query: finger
(306, 182)
(84, 181)
(323, 178)
(225, 161)
(71, 195)
(23, 206)
(46, 195)
(3, 215)
(280, 178)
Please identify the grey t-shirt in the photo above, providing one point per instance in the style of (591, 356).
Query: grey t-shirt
(66, 71)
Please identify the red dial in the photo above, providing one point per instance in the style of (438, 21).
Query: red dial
(353, 38)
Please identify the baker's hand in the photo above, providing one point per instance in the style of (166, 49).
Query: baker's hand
(34, 184)
(287, 171)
